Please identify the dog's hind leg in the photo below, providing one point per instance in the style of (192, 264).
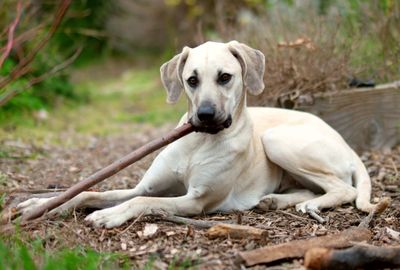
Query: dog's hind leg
(319, 161)
(288, 199)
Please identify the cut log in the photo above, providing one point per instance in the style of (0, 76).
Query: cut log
(367, 118)
(236, 231)
(298, 248)
(357, 257)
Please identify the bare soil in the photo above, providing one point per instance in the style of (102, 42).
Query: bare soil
(30, 167)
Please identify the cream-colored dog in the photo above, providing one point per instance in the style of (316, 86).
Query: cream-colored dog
(241, 157)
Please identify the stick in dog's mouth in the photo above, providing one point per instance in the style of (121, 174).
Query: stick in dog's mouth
(212, 129)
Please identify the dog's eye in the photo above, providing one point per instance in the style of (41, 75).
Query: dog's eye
(193, 81)
(224, 78)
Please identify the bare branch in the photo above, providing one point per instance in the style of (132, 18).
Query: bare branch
(21, 68)
(11, 31)
(13, 92)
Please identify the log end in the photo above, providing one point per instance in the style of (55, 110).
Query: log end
(316, 258)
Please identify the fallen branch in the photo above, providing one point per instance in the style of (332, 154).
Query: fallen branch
(357, 257)
(236, 231)
(298, 248)
(110, 170)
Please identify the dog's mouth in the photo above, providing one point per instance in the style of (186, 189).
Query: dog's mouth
(211, 127)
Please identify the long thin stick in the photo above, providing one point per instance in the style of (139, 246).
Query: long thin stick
(110, 170)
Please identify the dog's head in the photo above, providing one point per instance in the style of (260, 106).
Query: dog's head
(214, 76)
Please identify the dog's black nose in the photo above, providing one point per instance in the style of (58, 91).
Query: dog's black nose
(206, 112)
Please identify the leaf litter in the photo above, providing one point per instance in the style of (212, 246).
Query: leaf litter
(152, 238)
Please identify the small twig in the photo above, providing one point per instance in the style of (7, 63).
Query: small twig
(32, 191)
(202, 224)
(317, 217)
(133, 223)
(394, 167)
(292, 215)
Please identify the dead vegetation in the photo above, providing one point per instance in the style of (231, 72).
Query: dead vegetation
(309, 52)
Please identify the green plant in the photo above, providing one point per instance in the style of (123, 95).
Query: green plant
(15, 254)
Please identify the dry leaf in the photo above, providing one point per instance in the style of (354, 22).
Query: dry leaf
(393, 234)
(149, 230)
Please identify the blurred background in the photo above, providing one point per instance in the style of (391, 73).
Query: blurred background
(64, 59)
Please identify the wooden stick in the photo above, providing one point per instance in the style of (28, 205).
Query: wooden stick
(110, 170)
(298, 248)
(201, 224)
(357, 257)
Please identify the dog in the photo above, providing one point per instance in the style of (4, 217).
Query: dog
(241, 157)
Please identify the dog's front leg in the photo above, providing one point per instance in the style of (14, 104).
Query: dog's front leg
(159, 178)
(190, 204)
(207, 188)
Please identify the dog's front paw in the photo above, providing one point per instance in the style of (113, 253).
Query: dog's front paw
(268, 203)
(31, 204)
(108, 218)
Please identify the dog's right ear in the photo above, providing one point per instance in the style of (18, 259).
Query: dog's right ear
(171, 75)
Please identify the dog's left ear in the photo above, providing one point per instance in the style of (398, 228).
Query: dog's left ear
(252, 62)
(171, 75)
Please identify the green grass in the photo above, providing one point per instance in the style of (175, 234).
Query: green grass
(33, 255)
(115, 105)
(18, 255)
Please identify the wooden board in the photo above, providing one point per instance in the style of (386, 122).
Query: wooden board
(367, 118)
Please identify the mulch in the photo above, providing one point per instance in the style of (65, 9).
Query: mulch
(30, 167)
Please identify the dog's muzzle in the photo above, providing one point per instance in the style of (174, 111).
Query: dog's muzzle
(208, 120)
(211, 128)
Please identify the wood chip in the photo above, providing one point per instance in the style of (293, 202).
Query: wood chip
(236, 231)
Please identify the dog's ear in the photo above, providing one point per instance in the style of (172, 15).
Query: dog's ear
(252, 62)
(171, 75)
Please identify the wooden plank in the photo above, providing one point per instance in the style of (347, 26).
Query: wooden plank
(367, 118)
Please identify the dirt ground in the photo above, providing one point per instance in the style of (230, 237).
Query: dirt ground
(31, 167)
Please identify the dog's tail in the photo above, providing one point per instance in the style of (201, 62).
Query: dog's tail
(363, 185)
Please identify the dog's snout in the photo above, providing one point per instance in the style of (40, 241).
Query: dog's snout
(206, 112)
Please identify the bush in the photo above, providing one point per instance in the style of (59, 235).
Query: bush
(310, 48)
(85, 19)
